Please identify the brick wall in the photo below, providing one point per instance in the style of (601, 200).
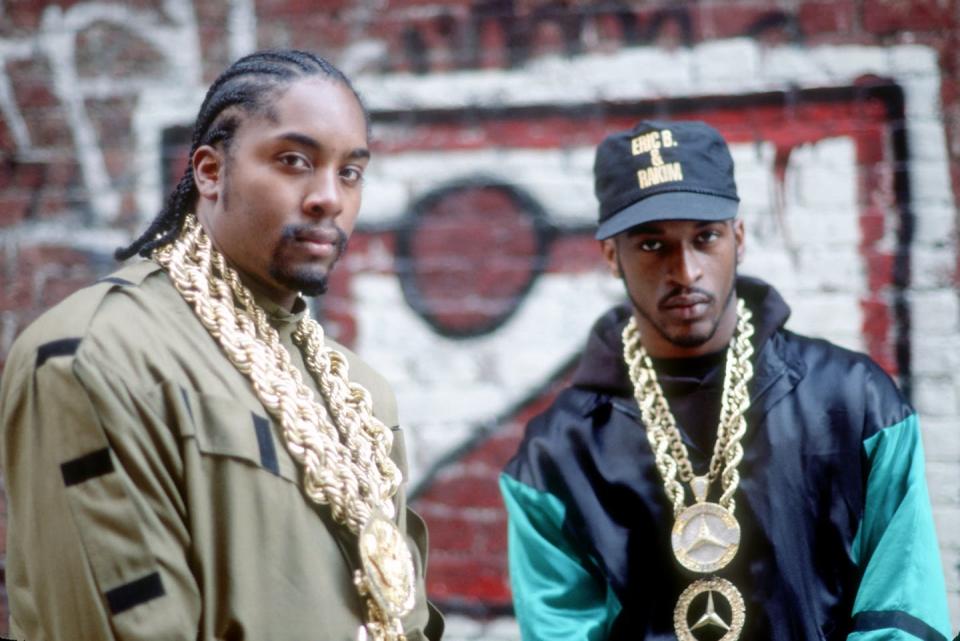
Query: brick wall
(844, 117)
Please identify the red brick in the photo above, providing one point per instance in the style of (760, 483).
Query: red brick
(36, 256)
(871, 145)
(13, 207)
(214, 42)
(300, 9)
(872, 224)
(493, 45)
(490, 538)
(877, 324)
(463, 491)
(473, 255)
(827, 16)
(879, 270)
(575, 254)
(876, 185)
(725, 20)
(547, 38)
(50, 129)
(320, 33)
(112, 119)
(468, 579)
(499, 448)
(16, 293)
(61, 284)
(7, 144)
(453, 534)
(105, 49)
(22, 16)
(891, 16)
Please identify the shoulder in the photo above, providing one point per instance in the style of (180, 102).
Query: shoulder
(114, 314)
(572, 406)
(841, 377)
(552, 436)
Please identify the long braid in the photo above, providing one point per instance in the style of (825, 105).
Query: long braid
(248, 86)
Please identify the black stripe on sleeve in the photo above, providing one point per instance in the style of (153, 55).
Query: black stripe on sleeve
(884, 620)
(86, 467)
(130, 595)
(268, 455)
(62, 347)
(116, 281)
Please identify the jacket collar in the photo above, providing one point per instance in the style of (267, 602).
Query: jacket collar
(777, 370)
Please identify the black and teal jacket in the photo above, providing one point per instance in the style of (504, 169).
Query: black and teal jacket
(837, 537)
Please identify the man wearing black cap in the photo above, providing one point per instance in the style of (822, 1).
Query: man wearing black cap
(709, 474)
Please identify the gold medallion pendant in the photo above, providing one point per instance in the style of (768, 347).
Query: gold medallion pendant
(387, 566)
(730, 623)
(705, 537)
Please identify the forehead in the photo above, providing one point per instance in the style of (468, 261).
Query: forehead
(319, 107)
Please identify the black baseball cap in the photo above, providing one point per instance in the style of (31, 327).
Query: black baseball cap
(663, 170)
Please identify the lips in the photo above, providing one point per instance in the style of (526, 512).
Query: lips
(686, 306)
(319, 242)
(318, 235)
(684, 301)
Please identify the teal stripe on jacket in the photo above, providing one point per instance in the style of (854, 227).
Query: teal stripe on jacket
(554, 595)
(902, 594)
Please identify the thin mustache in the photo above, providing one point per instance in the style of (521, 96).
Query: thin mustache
(291, 232)
(681, 291)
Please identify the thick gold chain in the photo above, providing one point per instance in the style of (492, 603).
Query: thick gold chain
(670, 453)
(343, 448)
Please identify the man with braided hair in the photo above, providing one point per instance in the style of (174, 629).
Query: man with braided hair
(186, 455)
(710, 474)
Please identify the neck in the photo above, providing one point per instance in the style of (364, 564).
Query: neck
(286, 300)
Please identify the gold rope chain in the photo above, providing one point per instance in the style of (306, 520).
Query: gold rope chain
(670, 453)
(343, 448)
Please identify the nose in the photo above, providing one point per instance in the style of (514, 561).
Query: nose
(323, 198)
(686, 268)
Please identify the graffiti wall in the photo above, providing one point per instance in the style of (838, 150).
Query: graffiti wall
(473, 278)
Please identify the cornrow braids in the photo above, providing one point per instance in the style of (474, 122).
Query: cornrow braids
(247, 86)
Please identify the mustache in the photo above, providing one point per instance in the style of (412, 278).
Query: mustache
(293, 232)
(685, 296)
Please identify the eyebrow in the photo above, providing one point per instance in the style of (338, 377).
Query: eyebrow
(314, 145)
(653, 228)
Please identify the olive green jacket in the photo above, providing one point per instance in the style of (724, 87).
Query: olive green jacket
(151, 496)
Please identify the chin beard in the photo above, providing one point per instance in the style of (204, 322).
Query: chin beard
(309, 281)
(689, 341)
(306, 284)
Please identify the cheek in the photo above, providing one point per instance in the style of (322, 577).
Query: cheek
(347, 220)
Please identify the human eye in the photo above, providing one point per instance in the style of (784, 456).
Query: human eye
(649, 245)
(352, 174)
(708, 236)
(294, 160)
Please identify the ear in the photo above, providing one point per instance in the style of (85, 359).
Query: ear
(739, 236)
(208, 166)
(608, 247)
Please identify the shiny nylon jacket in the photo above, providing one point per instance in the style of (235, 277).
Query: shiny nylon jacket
(837, 537)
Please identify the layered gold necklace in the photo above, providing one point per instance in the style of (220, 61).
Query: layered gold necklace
(344, 450)
(705, 535)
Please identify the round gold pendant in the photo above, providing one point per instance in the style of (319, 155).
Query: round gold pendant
(730, 623)
(705, 537)
(387, 566)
